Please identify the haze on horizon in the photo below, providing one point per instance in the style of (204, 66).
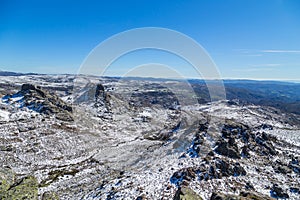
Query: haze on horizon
(249, 39)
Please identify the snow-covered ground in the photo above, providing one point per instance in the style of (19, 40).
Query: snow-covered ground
(138, 150)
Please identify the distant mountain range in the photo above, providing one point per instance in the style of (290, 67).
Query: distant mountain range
(278, 94)
(7, 73)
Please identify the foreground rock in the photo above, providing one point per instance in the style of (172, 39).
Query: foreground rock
(185, 193)
(21, 188)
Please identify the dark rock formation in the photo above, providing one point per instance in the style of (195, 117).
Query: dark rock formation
(279, 167)
(28, 86)
(215, 169)
(233, 129)
(194, 149)
(260, 142)
(265, 143)
(228, 149)
(183, 176)
(102, 102)
(245, 151)
(99, 90)
(43, 102)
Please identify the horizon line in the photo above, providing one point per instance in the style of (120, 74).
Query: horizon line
(171, 78)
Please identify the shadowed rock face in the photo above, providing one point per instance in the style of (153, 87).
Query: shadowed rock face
(27, 86)
(102, 103)
(99, 91)
(228, 149)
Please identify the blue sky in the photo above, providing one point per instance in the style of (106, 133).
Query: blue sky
(253, 39)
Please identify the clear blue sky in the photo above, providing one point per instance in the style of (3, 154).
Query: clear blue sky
(257, 39)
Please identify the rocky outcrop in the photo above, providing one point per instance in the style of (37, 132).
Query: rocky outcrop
(236, 141)
(228, 149)
(43, 102)
(184, 176)
(102, 102)
(214, 169)
(259, 142)
(219, 168)
(264, 143)
(295, 190)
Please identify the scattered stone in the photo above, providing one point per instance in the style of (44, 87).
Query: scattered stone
(56, 174)
(295, 190)
(264, 141)
(249, 186)
(277, 192)
(295, 168)
(265, 126)
(211, 153)
(282, 170)
(253, 196)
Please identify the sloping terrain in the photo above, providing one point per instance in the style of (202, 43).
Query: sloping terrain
(137, 139)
